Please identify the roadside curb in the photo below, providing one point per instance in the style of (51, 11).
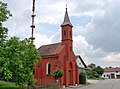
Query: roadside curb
(78, 86)
(82, 85)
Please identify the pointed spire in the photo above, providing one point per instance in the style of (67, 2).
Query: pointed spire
(66, 19)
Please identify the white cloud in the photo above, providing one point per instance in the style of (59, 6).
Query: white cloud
(96, 42)
(105, 32)
(41, 39)
(112, 57)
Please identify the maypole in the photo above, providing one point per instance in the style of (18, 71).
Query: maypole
(33, 25)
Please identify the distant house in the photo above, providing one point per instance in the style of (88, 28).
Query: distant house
(82, 67)
(111, 73)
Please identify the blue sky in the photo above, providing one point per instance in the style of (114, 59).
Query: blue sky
(96, 26)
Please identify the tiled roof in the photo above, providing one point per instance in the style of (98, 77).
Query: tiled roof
(51, 49)
(78, 56)
(112, 69)
(85, 66)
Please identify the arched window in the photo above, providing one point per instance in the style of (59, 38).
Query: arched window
(48, 68)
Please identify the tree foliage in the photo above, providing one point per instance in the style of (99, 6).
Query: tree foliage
(95, 72)
(4, 15)
(92, 66)
(18, 60)
(99, 70)
(17, 57)
(57, 74)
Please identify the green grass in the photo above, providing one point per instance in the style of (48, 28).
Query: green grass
(8, 85)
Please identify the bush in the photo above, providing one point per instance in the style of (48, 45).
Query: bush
(89, 74)
(92, 74)
(96, 75)
(82, 78)
(57, 74)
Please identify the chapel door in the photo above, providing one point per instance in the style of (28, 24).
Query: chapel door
(69, 78)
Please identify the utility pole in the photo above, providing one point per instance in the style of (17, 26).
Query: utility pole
(33, 25)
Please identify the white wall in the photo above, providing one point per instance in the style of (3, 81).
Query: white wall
(79, 63)
(109, 74)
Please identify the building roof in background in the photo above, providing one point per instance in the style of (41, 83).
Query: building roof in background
(112, 69)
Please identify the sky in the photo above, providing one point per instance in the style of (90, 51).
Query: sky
(96, 26)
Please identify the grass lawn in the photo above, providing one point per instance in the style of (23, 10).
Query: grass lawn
(8, 85)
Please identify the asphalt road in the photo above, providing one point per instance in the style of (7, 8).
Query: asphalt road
(103, 84)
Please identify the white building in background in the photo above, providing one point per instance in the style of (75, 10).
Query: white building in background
(111, 73)
(81, 64)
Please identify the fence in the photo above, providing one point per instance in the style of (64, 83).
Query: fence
(47, 84)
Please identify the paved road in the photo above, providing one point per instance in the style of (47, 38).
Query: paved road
(103, 84)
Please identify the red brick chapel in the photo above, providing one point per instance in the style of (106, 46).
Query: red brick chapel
(58, 56)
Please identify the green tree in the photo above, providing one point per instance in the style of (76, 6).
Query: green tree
(92, 66)
(99, 70)
(18, 64)
(57, 74)
(95, 72)
(4, 15)
(90, 74)
(17, 57)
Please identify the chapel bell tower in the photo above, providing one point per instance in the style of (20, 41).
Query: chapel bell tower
(66, 28)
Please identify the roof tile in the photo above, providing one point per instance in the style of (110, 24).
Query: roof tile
(51, 49)
(112, 69)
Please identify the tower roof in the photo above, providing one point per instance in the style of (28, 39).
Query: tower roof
(66, 20)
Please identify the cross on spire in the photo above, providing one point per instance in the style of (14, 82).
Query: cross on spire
(66, 7)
